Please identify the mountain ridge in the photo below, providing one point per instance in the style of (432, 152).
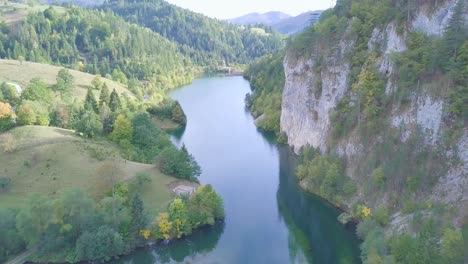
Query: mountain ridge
(279, 21)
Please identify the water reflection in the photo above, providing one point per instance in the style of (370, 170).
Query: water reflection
(311, 220)
(268, 219)
(198, 244)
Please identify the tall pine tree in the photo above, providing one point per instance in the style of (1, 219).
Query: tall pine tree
(114, 102)
(104, 97)
(90, 102)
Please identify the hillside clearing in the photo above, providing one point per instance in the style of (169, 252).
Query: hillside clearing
(51, 160)
(23, 73)
(13, 13)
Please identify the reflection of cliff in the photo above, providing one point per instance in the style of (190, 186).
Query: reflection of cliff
(311, 221)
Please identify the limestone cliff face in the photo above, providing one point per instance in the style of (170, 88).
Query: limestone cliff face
(310, 96)
(305, 106)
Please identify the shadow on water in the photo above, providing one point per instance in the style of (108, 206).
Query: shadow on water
(176, 135)
(311, 220)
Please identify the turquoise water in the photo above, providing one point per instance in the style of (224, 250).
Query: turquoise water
(268, 219)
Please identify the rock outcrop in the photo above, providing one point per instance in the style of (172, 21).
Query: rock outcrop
(311, 96)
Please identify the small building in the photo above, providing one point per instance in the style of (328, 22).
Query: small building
(184, 190)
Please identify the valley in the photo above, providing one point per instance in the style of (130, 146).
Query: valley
(127, 134)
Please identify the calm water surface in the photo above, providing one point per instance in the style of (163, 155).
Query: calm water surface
(268, 219)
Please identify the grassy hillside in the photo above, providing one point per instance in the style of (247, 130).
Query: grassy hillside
(13, 13)
(14, 71)
(51, 161)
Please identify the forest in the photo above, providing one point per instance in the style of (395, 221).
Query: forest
(208, 42)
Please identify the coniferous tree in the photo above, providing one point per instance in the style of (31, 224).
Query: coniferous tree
(104, 97)
(114, 102)
(90, 102)
(456, 32)
(138, 222)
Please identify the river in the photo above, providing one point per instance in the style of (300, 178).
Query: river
(268, 219)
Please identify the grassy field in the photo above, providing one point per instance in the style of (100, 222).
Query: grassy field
(15, 12)
(51, 160)
(13, 71)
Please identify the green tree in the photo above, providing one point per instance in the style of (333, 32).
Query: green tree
(11, 243)
(6, 113)
(90, 102)
(205, 206)
(10, 95)
(178, 114)
(26, 114)
(178, 215)
(123, 130)
(453, 246)
(89, 124)
(101, 245)
(178, 163)
(97, 82)
(114, 101)
(37, 90)
(65, 82)
(34, 219)
(456, 33)
(138, 220)
(104, 97)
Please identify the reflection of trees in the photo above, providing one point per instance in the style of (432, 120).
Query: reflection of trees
(200, 242)
(311, 221)
(176, 135)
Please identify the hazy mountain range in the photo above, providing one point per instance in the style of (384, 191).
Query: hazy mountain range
(279, 21)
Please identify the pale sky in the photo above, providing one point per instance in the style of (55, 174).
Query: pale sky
(224, 9)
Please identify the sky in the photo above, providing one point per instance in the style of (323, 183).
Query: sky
(224, 9)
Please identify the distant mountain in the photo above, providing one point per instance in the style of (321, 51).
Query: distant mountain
(76, 2)
(269, 18)
(279, 21)
(296, 24)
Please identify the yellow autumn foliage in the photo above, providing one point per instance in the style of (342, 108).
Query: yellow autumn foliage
(145, 233)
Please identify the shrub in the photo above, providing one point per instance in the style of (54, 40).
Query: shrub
(179, 163)
(381, 215)
(6, 113)
(5, 183)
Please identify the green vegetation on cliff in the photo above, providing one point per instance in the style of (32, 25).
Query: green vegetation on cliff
(393, 173)
(266, 77)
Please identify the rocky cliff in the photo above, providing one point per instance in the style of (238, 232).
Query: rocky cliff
(317, 84)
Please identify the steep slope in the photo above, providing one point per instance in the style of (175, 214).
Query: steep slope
(375, 98)
(269, 18)
(208, 42)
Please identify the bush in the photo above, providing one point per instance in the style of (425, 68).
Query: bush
(204, 207)
(179, 163)
(381, 215)
(89, 124)
(6, 113)
(5, 183)
(7, 142)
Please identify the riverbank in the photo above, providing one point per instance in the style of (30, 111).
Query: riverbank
(305, 227)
